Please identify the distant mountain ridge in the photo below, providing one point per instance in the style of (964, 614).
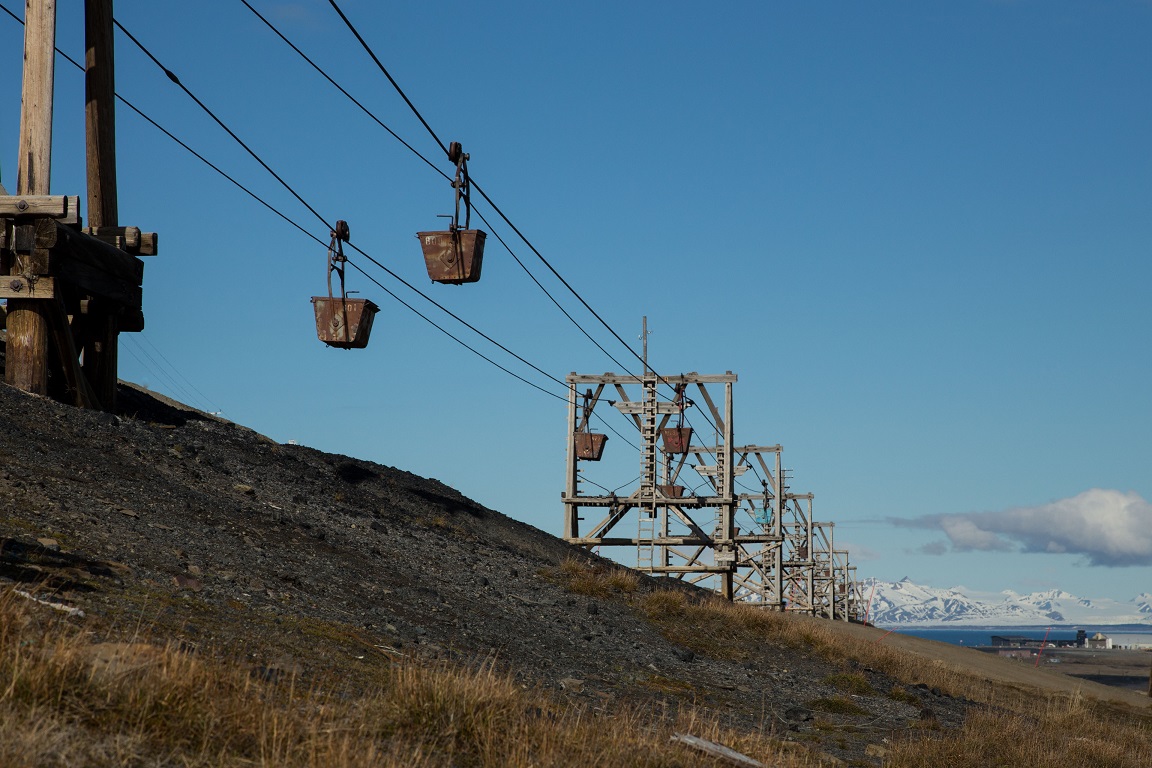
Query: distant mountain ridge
(905, 603)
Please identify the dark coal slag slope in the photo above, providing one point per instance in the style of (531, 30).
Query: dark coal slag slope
(224, 539)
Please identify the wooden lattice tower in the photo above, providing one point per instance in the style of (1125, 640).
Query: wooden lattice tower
(691, 537)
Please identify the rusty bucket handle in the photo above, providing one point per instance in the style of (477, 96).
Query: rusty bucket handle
(336, 262)
(462, 184)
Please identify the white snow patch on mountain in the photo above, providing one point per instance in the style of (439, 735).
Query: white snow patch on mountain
(905, 603)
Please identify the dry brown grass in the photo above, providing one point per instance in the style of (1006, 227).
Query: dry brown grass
(1019, 727)
(1058, 737)
(721, 629)
(67, 701)
(600, 580)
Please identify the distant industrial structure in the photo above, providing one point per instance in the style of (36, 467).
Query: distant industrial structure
(756, 545)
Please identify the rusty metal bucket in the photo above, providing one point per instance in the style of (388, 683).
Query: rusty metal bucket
(589, 445)
(344, 323)
(677, 439)
(672, 491)
(453, 257)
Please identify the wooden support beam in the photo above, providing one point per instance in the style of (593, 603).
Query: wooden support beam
(65, 208)
(686, 378)
(26, 360)
(81, 392)
(102, 328)
(75, 246)
(128, 239)
(100, 113)
(12, 287)
(34, 162)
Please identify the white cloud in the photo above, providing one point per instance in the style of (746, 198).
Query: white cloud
(965, 534)
(1107, 527)
(858, 553)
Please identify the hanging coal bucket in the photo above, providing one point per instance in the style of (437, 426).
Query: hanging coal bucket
(453, 257)
(457, 255)
(676, 439)
(672, 491)
(589, 445)
(340, 321)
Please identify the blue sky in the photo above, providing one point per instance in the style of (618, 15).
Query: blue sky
(918, 232)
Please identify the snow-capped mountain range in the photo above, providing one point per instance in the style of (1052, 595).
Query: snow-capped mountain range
(904, 603)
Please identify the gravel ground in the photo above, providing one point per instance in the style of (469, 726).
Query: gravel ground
(303, 561)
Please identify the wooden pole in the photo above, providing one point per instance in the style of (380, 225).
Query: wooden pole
(100, 330)
(100, 113)
(26, 364)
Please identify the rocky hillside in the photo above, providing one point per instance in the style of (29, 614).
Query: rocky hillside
(297, 561)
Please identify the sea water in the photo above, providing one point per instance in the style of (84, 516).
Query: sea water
(973, 636)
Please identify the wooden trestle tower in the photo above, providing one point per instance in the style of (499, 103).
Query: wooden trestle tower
(759, 547)
(70, 290)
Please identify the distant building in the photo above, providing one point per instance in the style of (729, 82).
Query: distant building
(1099, 641)
(1015, 641)
(1136, 641)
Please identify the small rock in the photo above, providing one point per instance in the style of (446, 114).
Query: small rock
(797, 714)
(483, 581)
(49, 544)
(684, 654)
(593, 609)
(247, 490)
(875, 750)
(187, 582)
(195, 570)
(572, 684)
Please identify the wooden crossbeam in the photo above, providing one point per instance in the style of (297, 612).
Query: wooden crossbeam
(63, 208)
(128, 239)
(22, 288)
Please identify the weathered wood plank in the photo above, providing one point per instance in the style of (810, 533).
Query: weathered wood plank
(96, 282)
(63, 208)
(718, 750)
(130, 236)
(12, 287)
(149, 244)
(106, 258)
(128, 239)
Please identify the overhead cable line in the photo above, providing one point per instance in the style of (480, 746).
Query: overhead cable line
(340, 88)
(295, 224)
(365, 254)
(431, 322)
(431, 165)
(368, 49)
(172, 76)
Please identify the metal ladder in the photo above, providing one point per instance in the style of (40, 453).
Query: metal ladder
(649, 466)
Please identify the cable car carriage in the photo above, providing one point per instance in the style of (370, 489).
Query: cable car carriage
(340, 321)
(455, 256)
